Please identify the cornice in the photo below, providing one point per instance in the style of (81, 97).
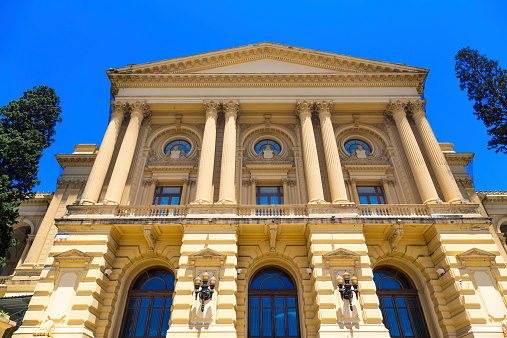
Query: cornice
(459, 158)
(73, 160)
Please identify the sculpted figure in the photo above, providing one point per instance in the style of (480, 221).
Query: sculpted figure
(361, 152)
(268, 152)
(175, 152)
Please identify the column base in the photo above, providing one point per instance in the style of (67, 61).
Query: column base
(227, 201)
(342, 201)
(202, 201)
(431, 201)
(316, 201)
(87, 202)
(456, 201)
(111, 202)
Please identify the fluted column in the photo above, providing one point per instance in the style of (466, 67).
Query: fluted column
(184, 191)
(334, 167)
(227, 191)
(437, 159)
(311, 161)
(295, 190)
(122, 166)
(286, 192)
(204, 193)
(415, 158)
(387, 190)
(101, 164)
(355, 195)
(151, 191)
(253, 191)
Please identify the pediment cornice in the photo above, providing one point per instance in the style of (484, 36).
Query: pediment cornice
(343, 70)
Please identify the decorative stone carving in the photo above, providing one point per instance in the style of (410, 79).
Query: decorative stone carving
(273, 230)
(341, 257)
(395, 236)
(47, 328)
(150, 238)
(395, 106)
(476, 256)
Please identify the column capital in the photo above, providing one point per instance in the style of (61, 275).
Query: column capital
(140, 108)
(253, 181)
(395, 107)
(185, 181)
(284, 181)
(62, 184)
(212, 107)
(77, 184)
(292, 183)
(246, 183)
(304, 107)
(324, 107)
(416, 107)
(353, 180)
(231, 107)
(153, 181)
(118, 107)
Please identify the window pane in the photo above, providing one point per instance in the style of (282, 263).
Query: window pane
(405, 323)
(154, 323)
(272, 284)
(133, 302)
(268, 190)
(274, 200)
(145, 302)
(400, 302)
(129, 323)
(171, 190)
(388, 302)
(366, 190)
(141, 323)
(280, 322)
(168, 303)
(363, 200)
(165, 322)
(291, 318)
(392, 322)
(266, 321)
(153, 284)
(254, 322)
(389, 283)
(374, 200)
(266, 302)
(418, 322)
(278, 302)
(263, 200)
(175, 200)
(164, 201)
(291, 302)
(157, 302)
(254, 302)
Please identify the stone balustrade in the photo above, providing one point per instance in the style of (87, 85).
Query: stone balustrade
(258, 211)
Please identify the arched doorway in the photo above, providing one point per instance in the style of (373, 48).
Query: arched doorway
(149, 303)
(399, 302)
(272, 305)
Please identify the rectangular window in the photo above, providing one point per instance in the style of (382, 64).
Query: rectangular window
(269, 196)
(371, 195)
(167, 196)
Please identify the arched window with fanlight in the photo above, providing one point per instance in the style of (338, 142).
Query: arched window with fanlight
(272, 305)
(149, 303)
(179, 145)
(399, 301)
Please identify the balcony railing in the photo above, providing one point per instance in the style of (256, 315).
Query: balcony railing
(247, 211)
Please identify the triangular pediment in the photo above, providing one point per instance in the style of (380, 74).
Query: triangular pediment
(476, 254)
(207, 254)
(267, 58)
(73, 255)
(341, 253)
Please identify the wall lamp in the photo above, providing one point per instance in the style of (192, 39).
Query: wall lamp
(347, 287)
(202, 290)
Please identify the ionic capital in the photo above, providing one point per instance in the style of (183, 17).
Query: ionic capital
(395, 107)
(324, 107)
(212, 107)
(416, 107)
(231, 107)
(304, 107)
(140, 107)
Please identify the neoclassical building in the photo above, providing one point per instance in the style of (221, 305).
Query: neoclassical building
(262, 191)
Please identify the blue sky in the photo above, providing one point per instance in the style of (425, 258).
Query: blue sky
(68, 45)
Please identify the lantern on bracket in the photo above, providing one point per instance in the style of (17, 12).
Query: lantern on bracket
(347, 287)
(202, 289)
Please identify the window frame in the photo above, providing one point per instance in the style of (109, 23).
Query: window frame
(380, 195)
(278, 194)
(159, 194)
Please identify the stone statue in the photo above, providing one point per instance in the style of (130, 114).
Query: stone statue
(175, 152)
(361, 152)
(268, 152)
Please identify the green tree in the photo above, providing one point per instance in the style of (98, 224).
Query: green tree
(486, 84)
(27, 127)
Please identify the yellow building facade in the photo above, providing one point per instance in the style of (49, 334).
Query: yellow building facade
(261, 191)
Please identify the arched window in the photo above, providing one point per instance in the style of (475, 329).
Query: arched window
(267, 144)
(272, 302)
(180, 145)
(352, 145)
(399, 302)
(149, 304)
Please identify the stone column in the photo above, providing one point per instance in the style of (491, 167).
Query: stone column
(47, 223)
(103, 159)
(204, 188)
(253, 191)
(387, 190)
(286, 192)
(184, 191)
(294, 186)
(124, 160)
(355, 195)
(151, 192)
(334, 167)
(311, 161)
(437, 159)
(421, 174)
(227, 191)
(245, 195)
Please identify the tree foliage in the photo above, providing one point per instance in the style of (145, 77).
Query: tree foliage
(27, 127)
(486, 84)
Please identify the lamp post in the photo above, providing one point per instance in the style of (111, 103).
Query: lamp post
(202, 290)
(347, 287)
